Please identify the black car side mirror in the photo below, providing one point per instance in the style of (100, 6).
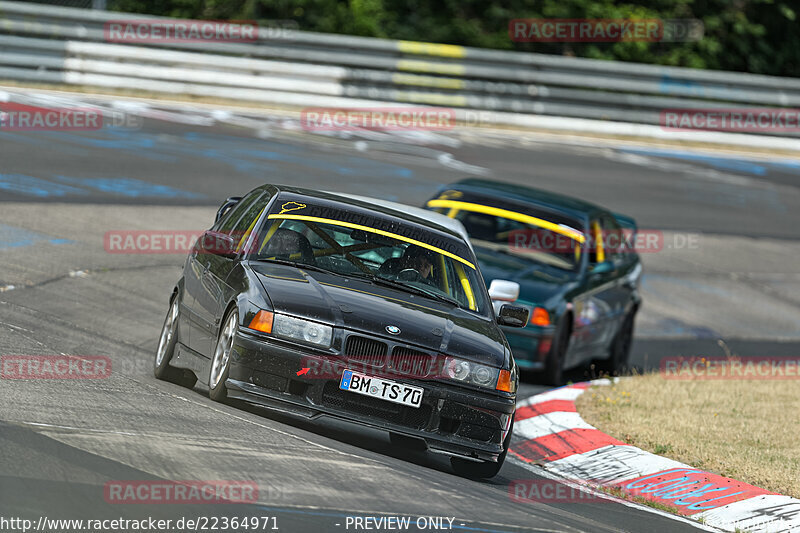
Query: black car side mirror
(230, 202)
(513, 316)
(216, 243)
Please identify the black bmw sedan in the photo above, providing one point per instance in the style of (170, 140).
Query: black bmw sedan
(320, 304)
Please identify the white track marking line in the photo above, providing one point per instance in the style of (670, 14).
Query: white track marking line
(91, 430)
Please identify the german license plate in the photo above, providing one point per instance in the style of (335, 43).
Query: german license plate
(384, 389)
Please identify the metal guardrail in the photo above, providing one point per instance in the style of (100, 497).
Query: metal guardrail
(66, 45)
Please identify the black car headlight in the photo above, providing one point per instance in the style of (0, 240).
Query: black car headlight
(289, 327)
(472, 373)
(302, 330)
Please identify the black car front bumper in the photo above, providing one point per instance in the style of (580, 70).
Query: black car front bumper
(451, 419)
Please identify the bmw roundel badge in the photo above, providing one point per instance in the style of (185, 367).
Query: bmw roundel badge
(394, 330)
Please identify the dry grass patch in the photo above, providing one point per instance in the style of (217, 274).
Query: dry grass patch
(747, 430)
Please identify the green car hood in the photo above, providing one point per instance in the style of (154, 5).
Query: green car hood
(539, 284)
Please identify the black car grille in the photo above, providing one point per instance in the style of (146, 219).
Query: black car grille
(411, 417)
(365, 350)
(413, 363)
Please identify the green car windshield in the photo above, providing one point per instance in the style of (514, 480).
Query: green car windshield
(527, 236)
(382, 256)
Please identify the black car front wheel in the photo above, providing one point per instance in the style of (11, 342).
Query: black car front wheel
(166, 349)
(221, 362)
(483, 469)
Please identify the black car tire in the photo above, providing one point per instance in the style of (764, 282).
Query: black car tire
(221, 361)
(167, 342)
(484, 469)
(617, 361)
(554, 364)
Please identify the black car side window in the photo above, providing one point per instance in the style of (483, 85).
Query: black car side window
(240, 220)
(228, 222)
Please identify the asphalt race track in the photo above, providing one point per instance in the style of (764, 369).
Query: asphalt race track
(725, 279)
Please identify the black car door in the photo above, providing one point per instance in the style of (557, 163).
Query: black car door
(206, 271)
(186, 317)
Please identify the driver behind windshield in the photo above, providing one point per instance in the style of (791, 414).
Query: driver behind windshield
(414, 258)
(419, 259)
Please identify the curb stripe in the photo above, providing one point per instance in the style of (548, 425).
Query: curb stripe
(551, 406)
(570, 448)
(539, 426)
(564, 444)
(690, 490)
(612, 464)
(772, 513)
(564, 393)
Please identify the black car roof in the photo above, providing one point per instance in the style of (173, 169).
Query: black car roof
(334, 200)
(489, 189)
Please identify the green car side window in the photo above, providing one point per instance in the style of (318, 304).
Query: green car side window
(615, 243)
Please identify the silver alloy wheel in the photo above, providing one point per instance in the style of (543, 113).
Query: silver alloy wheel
(223, 352)
(170, 325)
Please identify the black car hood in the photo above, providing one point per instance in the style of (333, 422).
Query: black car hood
(359, 305)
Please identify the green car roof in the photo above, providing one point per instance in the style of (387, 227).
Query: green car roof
(520, 193)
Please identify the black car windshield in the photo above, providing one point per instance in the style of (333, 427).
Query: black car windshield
(530, 236)
(385, 257)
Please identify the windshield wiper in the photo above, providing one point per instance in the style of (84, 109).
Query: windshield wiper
(409, 288)
(298, 264)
